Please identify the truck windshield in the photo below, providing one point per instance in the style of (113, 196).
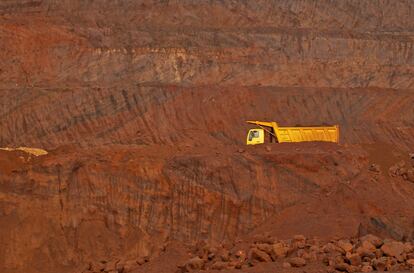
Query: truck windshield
(253, 134)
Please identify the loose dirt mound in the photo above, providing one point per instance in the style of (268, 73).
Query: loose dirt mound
(32, 151)
(141, 107)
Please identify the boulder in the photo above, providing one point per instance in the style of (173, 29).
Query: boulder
(297, 262)
(331, 262)
(355, 259)
(130, 265)
(339, 259)
(366, 249)
(379, 264)
(353, 268)
(239, 265)
(393, 249)
(331, 248)
(342, 267)
(195, 263)
(393, 171)
(142, 260)
(390, 263)
(345, 245)
(408, 247)
(299, 241)
(397, 267)
(379, 253)
(310, 256)
(97, 266)
(410, 262)
(366, 268)
(301, 253)
(398, 169)
(286, 265)
(291, 251)
(374, 168)
(258, 255)
(374, 240)
(325, 259)
(224, 255)
(367, 260)
(315, 249)
(330, 269)
(111, 265)
(240, 255)
(266, 248)
(280, 250)
(120, 266)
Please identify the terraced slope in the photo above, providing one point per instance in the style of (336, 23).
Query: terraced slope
(141, 105)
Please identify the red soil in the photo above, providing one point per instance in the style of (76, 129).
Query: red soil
(142, 108)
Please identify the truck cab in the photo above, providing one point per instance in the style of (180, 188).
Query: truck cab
(255, 136)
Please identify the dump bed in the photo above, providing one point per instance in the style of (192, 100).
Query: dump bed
(299, 134)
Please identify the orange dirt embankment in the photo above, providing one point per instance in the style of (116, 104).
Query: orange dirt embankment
(141, 106)
(79, 206)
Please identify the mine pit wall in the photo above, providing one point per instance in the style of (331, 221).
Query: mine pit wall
(187, 75)
(74, 213)
(82, 208)
(196, 116)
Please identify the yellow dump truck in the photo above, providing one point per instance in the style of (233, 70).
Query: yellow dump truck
(291, 134)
